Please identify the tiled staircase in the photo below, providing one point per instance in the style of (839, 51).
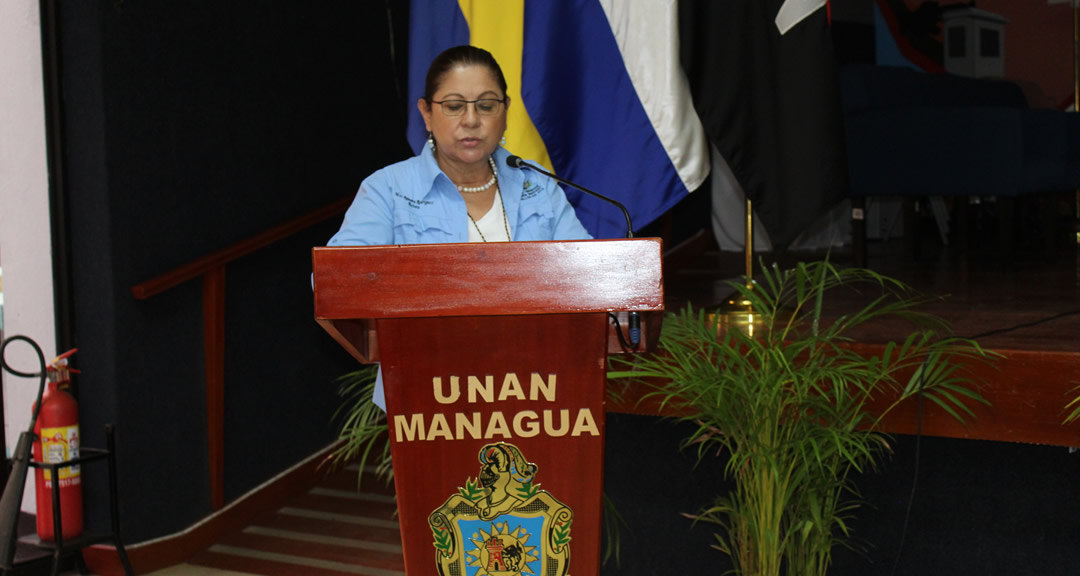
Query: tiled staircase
(332, 529)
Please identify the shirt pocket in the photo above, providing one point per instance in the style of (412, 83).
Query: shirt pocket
(413, 228)
(537, 220)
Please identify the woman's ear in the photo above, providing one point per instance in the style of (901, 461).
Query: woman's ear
(425, 111)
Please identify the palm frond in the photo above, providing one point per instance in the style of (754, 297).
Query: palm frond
(1074, 415)
(363, 429)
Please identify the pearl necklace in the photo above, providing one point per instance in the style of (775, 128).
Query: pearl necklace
(490, 183)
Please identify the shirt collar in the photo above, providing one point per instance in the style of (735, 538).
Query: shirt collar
(510, 183)
(429, 169)
(511, 180)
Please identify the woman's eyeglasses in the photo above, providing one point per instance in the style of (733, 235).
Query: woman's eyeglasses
(484, 106)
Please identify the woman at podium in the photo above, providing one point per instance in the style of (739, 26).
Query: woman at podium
(459, 188)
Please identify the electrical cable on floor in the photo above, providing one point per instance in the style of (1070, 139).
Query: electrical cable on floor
(915, 472)
(995, 332)
(919, 420)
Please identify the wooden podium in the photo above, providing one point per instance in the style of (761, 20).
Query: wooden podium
(493, 361)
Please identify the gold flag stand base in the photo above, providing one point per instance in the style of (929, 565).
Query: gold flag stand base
(738, 311)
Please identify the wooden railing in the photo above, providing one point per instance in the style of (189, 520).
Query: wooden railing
(211, 268)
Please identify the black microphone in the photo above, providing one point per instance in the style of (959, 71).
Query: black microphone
(517, 162)
(634, 317)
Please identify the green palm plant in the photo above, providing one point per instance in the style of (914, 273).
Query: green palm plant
(363, 433)
(790, 405)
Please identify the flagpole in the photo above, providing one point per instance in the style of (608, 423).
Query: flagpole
(1076, 91)
(738, 311)
(749, 243)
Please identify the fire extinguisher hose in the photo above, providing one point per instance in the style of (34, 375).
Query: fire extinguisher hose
(11, 501)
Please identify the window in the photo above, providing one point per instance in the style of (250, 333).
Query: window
(989, 43)
(957, 41)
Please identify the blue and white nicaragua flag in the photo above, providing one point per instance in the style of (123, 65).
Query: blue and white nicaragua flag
(597, 95)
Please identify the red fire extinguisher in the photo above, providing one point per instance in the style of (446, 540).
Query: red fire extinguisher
(57, 432)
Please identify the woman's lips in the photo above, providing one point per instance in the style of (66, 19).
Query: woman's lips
(470, 142)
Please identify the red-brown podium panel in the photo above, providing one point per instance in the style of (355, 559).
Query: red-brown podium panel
(493, 360)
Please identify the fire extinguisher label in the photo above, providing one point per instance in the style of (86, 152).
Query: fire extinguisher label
(60, 445)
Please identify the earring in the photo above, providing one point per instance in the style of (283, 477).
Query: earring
(503, 141)
(431, 141)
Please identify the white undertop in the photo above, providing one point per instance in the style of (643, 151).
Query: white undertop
(491, 224)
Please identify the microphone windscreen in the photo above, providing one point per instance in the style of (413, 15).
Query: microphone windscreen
(515, 161)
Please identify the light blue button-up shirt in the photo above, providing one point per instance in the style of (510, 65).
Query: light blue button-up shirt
(414, 202)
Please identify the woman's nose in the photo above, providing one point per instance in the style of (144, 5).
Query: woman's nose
(470, 117)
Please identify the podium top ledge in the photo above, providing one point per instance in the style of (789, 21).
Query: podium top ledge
(488, 279)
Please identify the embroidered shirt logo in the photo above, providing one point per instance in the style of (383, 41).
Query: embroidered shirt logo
(528, 190)
(413, 202)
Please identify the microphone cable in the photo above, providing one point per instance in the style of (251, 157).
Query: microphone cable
(633, 338)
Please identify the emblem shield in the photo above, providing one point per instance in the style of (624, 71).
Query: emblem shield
(502, 524)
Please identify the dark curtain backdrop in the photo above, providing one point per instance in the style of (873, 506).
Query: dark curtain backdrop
(189, 126)
(771, 106)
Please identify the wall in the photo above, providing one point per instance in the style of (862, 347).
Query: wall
(24, 212)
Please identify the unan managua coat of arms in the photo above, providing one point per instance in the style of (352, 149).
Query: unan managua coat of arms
(502, 524)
